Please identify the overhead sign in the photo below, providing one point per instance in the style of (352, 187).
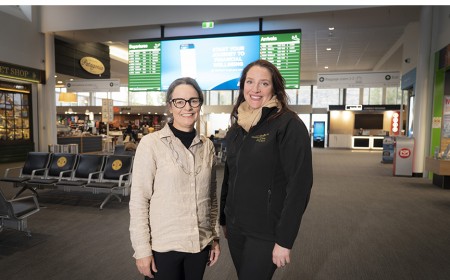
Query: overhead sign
(92, 65)
(94, 85)
(358, 80)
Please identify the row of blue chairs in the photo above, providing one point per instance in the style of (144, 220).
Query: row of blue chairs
(109, 174)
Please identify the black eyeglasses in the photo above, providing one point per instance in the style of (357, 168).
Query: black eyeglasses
(180, 102)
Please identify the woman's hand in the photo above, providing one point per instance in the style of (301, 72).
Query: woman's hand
(144, 264)
(280, 256)
(214, 253)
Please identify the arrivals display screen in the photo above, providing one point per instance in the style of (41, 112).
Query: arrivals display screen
(215, 62)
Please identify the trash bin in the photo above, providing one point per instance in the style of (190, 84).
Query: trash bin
(388, 149)
(403, 156)
(73, 148)
(53, 148)
(64, 149)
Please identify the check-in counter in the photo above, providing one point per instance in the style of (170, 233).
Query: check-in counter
(86, 144)
(367, 142)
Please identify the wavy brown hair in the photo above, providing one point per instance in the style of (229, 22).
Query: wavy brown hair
(278, 88)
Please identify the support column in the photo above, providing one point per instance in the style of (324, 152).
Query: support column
(47, 99)
(423, 95)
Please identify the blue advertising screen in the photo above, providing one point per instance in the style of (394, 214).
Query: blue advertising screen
(215, 62)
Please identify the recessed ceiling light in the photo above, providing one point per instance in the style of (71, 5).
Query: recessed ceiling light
(328, 49)
(331, 28)
(60, 82)
(326, 67)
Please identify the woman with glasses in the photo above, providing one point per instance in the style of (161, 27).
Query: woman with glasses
(268, 174)
(174, 225)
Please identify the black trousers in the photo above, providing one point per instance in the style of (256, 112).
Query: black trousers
(180, 266)
(252, 257)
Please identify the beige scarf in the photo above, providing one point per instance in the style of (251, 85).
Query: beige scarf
(248, 117)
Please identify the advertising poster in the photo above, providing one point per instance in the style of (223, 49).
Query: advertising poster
(215, 63)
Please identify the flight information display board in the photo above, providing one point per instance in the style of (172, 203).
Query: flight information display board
(215, 62)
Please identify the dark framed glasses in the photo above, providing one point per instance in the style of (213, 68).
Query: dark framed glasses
(180, 102)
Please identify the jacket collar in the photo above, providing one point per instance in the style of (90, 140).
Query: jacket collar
(167, 136)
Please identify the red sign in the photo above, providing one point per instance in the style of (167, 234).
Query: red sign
(404, 153)
(395, 123)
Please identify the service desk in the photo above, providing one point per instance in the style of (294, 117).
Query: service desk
(367, 142)
(441, 171)
(86, 144)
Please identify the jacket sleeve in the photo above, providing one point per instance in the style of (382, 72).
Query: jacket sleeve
(223, 196)
(144, 168)
(296, 162)
(214, 202)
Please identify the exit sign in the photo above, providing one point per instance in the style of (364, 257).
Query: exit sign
(208, 24)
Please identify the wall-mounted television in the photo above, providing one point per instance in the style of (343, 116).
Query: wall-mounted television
(368, 121)
(216, 62)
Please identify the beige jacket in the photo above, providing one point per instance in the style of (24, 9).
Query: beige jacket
(173, 202)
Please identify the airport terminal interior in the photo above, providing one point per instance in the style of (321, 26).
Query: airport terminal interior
(370, 83)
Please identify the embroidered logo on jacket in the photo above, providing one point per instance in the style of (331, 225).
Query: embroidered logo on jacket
(261, 138)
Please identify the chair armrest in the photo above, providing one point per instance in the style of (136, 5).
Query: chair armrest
(13, 168)
(93, 173)
(61, 174)
(127, 180)
(37, 170)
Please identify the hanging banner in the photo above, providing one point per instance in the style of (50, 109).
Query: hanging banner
(94, 85)
(358, 80)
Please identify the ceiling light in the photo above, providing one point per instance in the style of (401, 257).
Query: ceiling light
(60, 82)
(328, 49)
(331, 28)
(326, 67)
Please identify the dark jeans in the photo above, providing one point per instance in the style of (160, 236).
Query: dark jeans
(180, 266)
(252, 257)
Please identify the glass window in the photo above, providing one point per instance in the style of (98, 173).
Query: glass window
(322, 98)
(352, 96)
(373, 96)
(393, 95)
(304, 95)
(292, 96)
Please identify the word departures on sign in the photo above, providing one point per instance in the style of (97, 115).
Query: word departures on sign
(107, 110)
(91, 85)
(358, 79)
(353, 107)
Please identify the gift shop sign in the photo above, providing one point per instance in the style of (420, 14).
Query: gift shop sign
(358, 79)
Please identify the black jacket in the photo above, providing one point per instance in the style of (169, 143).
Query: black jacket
(268, 178)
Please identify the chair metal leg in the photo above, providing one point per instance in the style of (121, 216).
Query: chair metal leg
(24, 189)
(108, 198)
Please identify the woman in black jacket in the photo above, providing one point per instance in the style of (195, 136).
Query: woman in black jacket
(268, 174)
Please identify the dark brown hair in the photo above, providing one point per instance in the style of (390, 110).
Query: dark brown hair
(278, 88)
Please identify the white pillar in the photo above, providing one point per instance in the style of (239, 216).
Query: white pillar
(47, 100)
(423, 95)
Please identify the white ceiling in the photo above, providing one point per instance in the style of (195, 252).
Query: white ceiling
(364, 39)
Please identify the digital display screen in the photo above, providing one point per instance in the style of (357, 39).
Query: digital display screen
(215, 62)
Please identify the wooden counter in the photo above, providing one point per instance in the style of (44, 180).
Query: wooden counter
(441, 171)
(86, 144)
(438, 166)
